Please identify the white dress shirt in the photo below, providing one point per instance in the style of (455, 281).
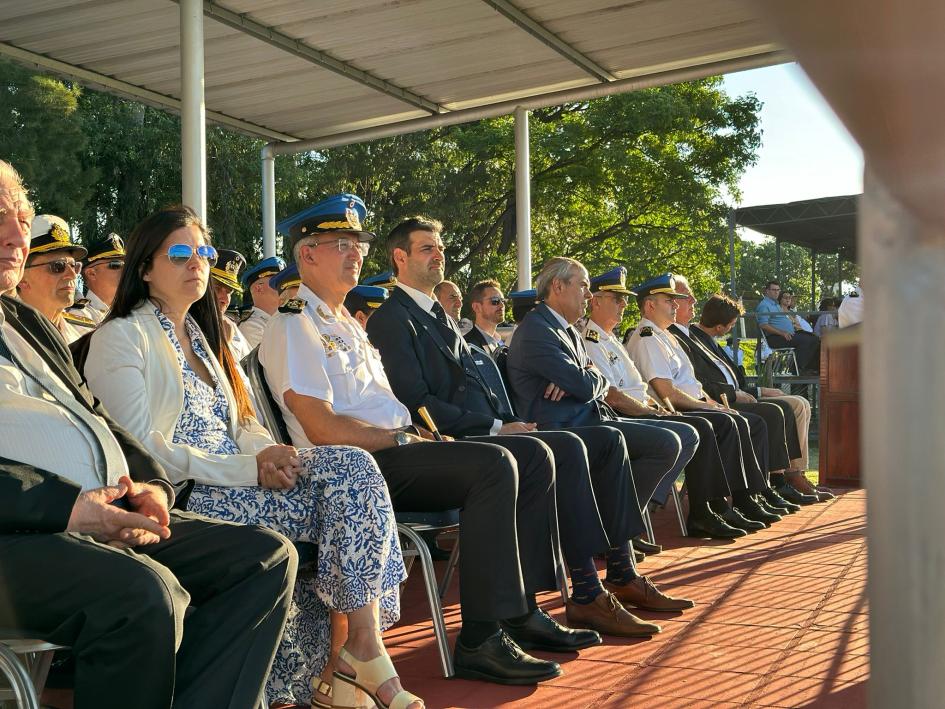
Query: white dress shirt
(658, 355)
(330, 358)
(254, 326)
(609, 356)
(45, 426)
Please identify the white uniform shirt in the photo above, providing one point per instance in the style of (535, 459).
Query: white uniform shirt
(239, 347)
(72, 326)
(315, 354)
(95, 310)
(609, 356)
(658, 355)
(45, 426)
(254, 326)
(851, 310)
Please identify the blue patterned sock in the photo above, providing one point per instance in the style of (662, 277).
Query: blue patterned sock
(620, 568)
(585, 583)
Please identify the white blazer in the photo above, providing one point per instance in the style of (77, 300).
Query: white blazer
(132, 368)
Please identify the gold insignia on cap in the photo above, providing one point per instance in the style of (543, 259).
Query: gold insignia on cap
(232, 267)
(59, 234)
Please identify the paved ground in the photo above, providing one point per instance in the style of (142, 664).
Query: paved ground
(781, 621)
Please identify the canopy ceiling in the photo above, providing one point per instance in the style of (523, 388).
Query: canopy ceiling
(297, 69)
(826, 225)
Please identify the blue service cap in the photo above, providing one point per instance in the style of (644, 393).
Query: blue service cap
(524, 296)
(361, 297)
(338, 213)
(385, 280)
(287, 278)
(665, 284)
(266, 268)
(614, 281)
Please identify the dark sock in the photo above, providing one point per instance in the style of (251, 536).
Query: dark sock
(719, 505)
(475, 632)
(777, 479)
(585, 582)
(620, 568)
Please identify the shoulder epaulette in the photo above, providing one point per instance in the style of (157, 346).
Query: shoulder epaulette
(79, 304)
(646, 331)
(245, 315)
(293, 305)
(591, 335)
(77, 319)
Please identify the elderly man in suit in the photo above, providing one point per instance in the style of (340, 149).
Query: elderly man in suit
(91, 555)
(430, 365)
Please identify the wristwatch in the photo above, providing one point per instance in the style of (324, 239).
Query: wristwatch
(401, 438)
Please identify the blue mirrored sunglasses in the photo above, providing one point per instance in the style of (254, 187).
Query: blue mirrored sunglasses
(180, 254)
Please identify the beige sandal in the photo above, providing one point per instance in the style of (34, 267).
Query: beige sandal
(369, 676)
(320, 686)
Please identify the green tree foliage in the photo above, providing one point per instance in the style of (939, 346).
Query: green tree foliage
(41, 134)
(636, 179)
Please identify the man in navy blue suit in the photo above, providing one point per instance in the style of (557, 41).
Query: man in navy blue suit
(429, 364)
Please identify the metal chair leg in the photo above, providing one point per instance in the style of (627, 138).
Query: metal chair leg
(16, 673)
(677, 500)
(40, 662)
(648, 524)
(436, 610)
(450, 568)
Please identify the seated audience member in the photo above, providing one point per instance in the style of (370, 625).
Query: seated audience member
(719, 316)
(850, 311)
(49, 279)
(451, 299)
(286, 283)
(429, 365)
(101, 272)
(224, 281)
(385, 280)
(160, 365)
(669, 374)
(330, 385)
(265, 298)
(718, 379)
(523, 302)
(93, 557)
(788, 302)
(709, 513)
(488, 306)
(827, 320)
(780, 331)
(363, 301)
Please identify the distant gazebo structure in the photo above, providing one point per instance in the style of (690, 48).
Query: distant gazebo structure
(826, 225)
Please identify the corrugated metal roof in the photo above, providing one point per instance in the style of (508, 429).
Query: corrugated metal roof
(390, 60)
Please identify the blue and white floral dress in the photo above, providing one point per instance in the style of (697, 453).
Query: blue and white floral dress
(341, 503)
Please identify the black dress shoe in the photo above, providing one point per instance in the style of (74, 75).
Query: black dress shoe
(640, 544)
(709, 524)
(770, 509)
(774, 499)
(750, 509)
(791, 494)
(541, 632)
(498, 659)
(638, 556)
(733, 518)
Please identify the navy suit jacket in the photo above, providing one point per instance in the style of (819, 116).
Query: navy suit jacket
(429, 364)
(707, 372)
(544, 352)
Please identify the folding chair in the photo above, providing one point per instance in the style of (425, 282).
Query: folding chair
(25, 664)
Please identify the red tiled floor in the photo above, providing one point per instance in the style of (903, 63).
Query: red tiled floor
(780, 621)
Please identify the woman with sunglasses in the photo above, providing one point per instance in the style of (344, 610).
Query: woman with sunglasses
(49, 279)
(160, 366)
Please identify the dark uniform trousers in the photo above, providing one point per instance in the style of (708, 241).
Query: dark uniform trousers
(791, 435)
(734, 439)
(705, 473)
(776, 425)
(806, 347)
(507, 500)
(122, 612)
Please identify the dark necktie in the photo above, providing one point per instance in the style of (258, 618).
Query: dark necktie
(439, 313)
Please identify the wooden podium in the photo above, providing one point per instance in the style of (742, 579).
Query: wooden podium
(840, 411)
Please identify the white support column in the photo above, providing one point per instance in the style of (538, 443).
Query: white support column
(903, 449)
(193, 136)
(523, 200)
(269, 201)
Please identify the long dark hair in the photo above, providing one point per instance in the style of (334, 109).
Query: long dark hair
(141, 247)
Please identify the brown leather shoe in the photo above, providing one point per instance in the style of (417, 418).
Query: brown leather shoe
(605, 615)
(800, 483)
(643, 594)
